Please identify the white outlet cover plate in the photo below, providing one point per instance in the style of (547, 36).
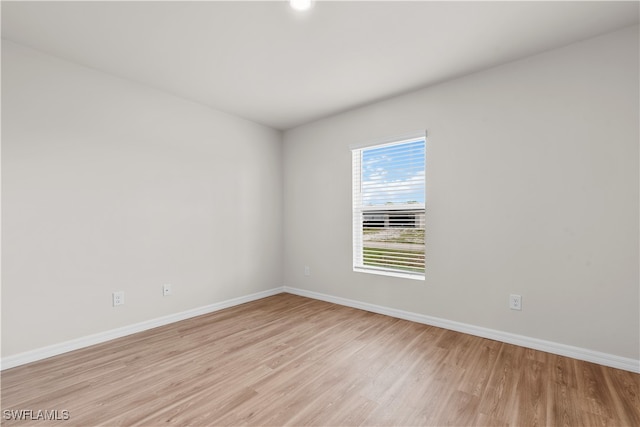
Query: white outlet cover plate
(515, 302)
(118, 298)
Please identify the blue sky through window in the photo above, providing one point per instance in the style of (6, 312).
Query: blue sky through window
(394, 174)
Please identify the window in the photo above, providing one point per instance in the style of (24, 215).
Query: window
(389, 208)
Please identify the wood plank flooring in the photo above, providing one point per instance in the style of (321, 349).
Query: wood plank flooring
(289, 360)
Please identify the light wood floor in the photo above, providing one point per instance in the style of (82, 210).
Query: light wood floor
(296, 361)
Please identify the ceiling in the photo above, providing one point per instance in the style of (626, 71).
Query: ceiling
(267, 63)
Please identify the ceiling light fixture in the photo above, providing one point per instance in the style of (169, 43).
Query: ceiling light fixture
(300, 4)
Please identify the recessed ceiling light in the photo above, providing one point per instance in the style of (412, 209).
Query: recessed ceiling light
(300, 4)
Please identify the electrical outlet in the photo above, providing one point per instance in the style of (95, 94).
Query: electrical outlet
(166, 289)
(515, 302)
(307, 270)
(118, 298)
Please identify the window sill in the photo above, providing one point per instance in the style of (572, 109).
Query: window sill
(415, 276)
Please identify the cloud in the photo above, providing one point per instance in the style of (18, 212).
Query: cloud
(393, 174)
(379, 190)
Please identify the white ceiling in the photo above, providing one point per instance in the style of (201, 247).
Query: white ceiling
(270, 64)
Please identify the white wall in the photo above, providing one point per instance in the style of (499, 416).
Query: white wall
(532, 189)
(108, 185)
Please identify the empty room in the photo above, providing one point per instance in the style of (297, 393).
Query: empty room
(329, 213)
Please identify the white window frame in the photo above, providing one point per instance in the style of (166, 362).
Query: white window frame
(359, 209)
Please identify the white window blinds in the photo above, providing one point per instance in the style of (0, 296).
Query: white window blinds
(389, 208)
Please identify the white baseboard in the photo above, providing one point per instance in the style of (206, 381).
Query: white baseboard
(78, 343)
(605, 359)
